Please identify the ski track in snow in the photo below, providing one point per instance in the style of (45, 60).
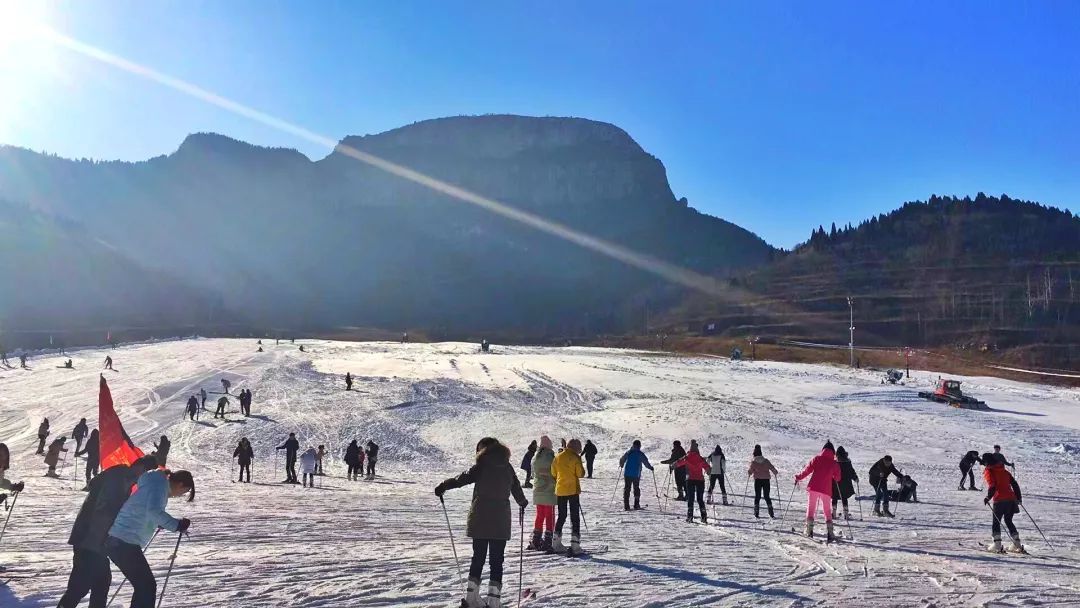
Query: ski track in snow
(384, 543)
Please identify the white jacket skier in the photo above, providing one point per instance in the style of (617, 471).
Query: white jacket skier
(307, 466)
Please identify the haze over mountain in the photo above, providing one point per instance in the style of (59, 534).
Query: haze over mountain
(292, 242)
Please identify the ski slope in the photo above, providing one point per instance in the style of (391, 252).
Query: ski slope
(384, 543)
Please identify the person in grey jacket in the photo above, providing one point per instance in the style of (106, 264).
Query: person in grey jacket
(489, 517)
(134, 526)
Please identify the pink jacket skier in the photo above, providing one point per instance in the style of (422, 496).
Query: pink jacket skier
(824, 472)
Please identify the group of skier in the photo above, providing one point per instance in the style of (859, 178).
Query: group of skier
(311, 461)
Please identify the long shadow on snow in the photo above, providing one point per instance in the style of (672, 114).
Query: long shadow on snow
(9, 599)
(995, 410)
(696, 577)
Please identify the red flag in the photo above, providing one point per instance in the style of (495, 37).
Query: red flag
(116, 446)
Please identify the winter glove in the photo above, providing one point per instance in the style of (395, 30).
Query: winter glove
(440, 490)
(986, 501)
(185, 523)
(17, 487)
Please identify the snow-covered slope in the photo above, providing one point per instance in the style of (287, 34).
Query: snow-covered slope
(384, 543)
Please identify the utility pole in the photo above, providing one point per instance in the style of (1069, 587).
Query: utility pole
(851, 329)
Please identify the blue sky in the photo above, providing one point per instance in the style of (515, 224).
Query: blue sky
(778, 116)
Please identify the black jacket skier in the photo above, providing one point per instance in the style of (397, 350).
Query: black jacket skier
(589, 452)
(192, 407)
(162, 446)
(967, 466)
(879, 480)
(244, 455)
(348, 381)
(677, 453)
(372, 452)
(845, 489)
(79, 433)
(353, 461)
(92, 451)
(291, 447)
(90, 573)
(221, 404)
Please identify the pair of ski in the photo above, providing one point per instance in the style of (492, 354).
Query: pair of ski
(838, 537)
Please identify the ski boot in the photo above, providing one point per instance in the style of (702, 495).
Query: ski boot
(575, 546)
(535, 543)
(724, 500)
(626, 506)
(887, 513)
(545, 545)
(877, 512)
(494, 596)
(996, 546)
(704, 518)
(472, 595)
(708, 500)
(847, 516)
(637, 506)
(689, 519)
(771, 514)
(829, 538)
(757, 512)
(1016, 546)
(557, 546)
(810, 528)
(527, 485)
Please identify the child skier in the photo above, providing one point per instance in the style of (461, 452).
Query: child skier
(677, 452)
(762, 471)
(846, 488)
(568, 470)
(319, 460)
(526, 464)
(144, 512)
(824, 473)
(696, 468)
(631, 463)
(1002, 489)
(307, 466)
(717, 467)
(543, 497)
(489, 517)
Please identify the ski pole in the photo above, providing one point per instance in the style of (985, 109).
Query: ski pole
(168, 573)
(452, 545)
(521, 552)
(582, 513)
(121, 586)
(850, 535)
(858, 498)
(667, 487)
(656, 489)
(1032, 523)
(614, 492)
(787, 507)
(9, 510)
(745, 489)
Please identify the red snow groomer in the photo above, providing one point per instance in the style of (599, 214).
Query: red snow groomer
(948, 391)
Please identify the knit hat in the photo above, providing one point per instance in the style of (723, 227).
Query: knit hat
(545, 442)
(829, 446)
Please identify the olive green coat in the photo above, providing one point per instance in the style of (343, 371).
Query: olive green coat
(543, 482)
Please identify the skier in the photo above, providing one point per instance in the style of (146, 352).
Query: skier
(108, 362)
(69, 364)
(192, 407)
(879, 479)
(291, 447)
(908, 491)
(489, 517)
(590, 454)
(52, 456)
(42, 433)
(526, 464)
(631, 463)
(162, 446)
(846, 488)
(567, 470)
(967, 464)
(225, 385)
(202, 394)
(5, 464)
(307, 466)
(93, 456)
(348, 381)
(22, 360)
(90, 571)
(301, 348)
(354, 460)
(79, 433)
(677, 453)
(372, 458)
(824, 473)
(543, 497)
(696, 467)
(1001, 457)
(319, 460)
(245, 402)
(762, 470)
(717, 468)
(134, 525)
(244, 455)
(1002, 489)
(221, 403)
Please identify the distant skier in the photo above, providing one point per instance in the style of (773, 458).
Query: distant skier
(590, 455)
(108, 362)
(192, 407)
(846, 488)
(319, 456)
(307, 466)
(244, 455)
(405, 338)
(568, 470)
(79, 433)
(879, 480)
(162, 446)
(225, 385)
(134, 526)
(526, 464)
(221, 403)
(677, 453)
(348, 381)
(372, 458)
(291, 447)
(1001, 457)
(202, 395)
(90, 572)
(354, 459)
(485, 346)
(543, 497)
(967, 466)
(69, 364)
(824, 473)
(1002, 489)
(696, 468)
(42, 433)
(302, 348)
(762, 470)
(245, 402)
(717, 468)
(52, 456)
(93, 456)
(631, 462)
(489, 516)
(22, 360)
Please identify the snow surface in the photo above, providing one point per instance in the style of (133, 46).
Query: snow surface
(384, 543)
